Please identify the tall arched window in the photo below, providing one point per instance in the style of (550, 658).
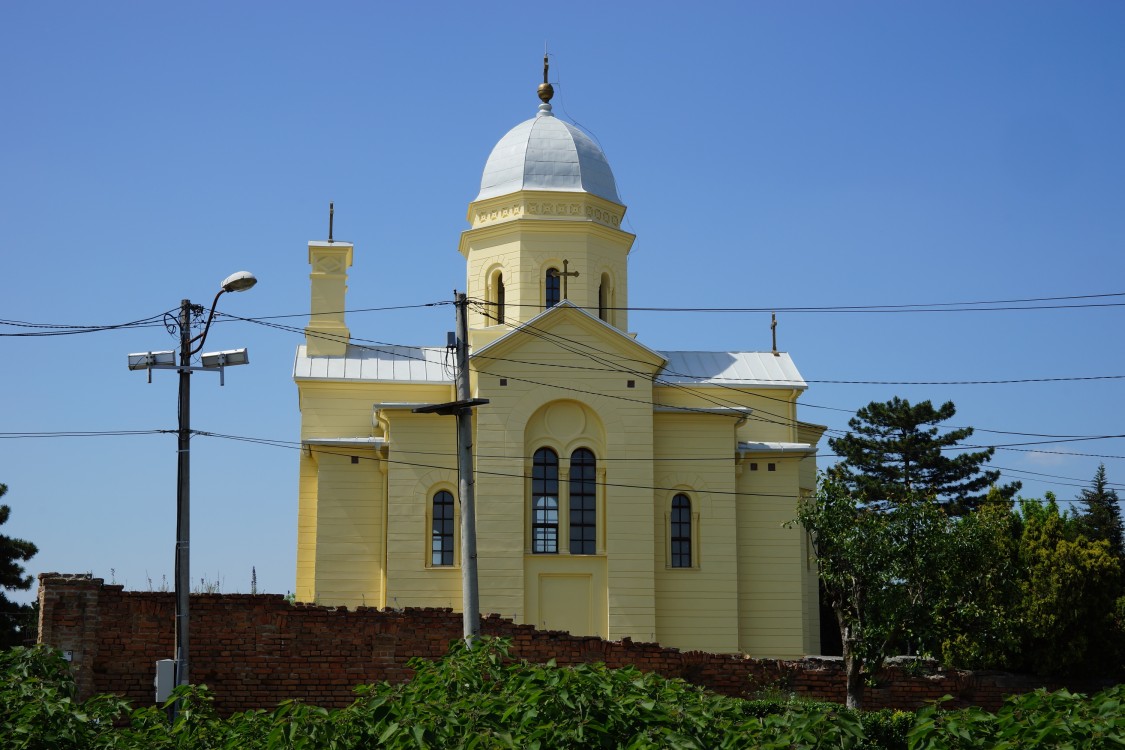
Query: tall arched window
(603, 298)
(499, 298)
(583, 496)
(441, 537)
(681, 531)
(553, 287)
(545, 501)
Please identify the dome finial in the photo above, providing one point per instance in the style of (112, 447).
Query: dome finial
(546, 90)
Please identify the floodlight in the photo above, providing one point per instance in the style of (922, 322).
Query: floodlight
(227, 358)
(239, 281)
(145, 360)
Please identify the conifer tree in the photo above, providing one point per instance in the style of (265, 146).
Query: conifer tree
(895, 450)
(13, 616)
(1101, 515)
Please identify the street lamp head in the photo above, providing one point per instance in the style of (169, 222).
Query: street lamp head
(238, 282)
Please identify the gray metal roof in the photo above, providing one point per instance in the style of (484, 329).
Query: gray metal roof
(772, 447)
(545, 153)
(758, 369)
(401, 364)
(433, 364)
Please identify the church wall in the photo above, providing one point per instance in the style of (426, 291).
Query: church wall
(626, 511)
(344, 409)
(696, 607)
(771, 568)
(306, 529)
(421, 461)
(349, 523)
(630, 530)
(499, 502)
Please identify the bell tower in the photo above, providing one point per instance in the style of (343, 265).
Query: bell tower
(546, 226)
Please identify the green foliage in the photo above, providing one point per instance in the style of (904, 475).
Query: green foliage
(978, 618)
(883, 570)
(472, 699)
(1101, 514)
(38, 710)
(15, 619)
(886, 728)
(1039, 720)
(480, 698)
(894, 451)
(1069, 590)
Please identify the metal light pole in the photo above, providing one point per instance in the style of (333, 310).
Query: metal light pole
(213, 362)
(183, 496)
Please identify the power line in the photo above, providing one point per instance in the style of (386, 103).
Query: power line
(1026, 303)
(386, 308)
(79, 433)
(298, 446)
(60, 329)
(1084, 483)
(547, 335)
(909, 307)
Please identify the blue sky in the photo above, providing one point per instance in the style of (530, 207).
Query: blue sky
(772, 155)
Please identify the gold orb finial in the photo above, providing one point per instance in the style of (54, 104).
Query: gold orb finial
(546, 90)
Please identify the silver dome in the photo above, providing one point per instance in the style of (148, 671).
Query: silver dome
(545, 153)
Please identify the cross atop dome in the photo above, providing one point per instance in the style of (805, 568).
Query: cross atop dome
(545, 153)
(546, 90)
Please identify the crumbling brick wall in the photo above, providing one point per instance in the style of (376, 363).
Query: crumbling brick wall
(255, 651)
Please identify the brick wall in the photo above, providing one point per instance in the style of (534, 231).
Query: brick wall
(257, 650)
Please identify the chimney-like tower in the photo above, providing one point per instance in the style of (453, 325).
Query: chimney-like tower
(326, 334)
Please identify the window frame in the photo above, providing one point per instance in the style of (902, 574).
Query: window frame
(680, 518)
(545, 476)
(583, 490)
(431, 521)
(552, 282)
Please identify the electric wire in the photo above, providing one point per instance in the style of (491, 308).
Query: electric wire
(61, 329)
(79, 433)
(531, 330)
(313, 449)
(1006, 305)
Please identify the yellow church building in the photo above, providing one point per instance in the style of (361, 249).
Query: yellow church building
(620, 491)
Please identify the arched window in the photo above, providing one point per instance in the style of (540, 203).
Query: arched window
(603, 298)
(499, 298)
(441, 538)
(583, 496)
(545, 501)
(681, 531)
(553, 287)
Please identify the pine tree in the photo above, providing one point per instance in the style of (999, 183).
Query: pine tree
(1101, 516)
(895, 450)
(13, 616)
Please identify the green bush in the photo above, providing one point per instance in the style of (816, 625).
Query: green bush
(1039, 720)
(481, 698)
(886, 728)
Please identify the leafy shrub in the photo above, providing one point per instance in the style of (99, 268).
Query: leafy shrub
(1039, 719)
(481, 698)
(886, 728)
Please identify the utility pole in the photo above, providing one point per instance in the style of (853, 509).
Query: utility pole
(466, 481)
(212, 362)
(462, 408)
(183, 497)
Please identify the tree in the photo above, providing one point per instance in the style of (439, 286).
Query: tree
(1101, 516)
(895, 450)
(1071, 589)
(978, 617)
(879, 567)
(13, 616)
